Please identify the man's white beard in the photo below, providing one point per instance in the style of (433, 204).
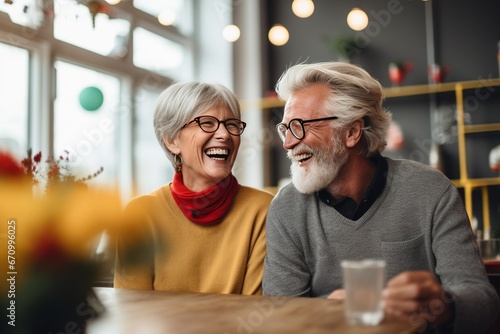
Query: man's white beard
(322, 171)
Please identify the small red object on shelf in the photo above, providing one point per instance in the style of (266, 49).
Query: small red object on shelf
(398, 71)
(438, 72)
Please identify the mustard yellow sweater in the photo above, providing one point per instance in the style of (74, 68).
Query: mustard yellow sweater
(224, 258)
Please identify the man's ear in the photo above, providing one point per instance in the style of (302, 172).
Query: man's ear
(353, 134)
(171, 144)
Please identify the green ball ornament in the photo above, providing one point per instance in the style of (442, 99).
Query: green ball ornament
(91, 98)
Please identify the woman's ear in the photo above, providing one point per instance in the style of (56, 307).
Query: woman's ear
(171, 144)
(353, 134)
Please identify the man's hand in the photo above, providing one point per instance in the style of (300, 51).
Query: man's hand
(417, 297)
(337, 294)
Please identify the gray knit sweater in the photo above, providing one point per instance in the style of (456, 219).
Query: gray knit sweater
(418, 223)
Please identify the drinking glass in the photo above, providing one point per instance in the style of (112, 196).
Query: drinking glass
(363, 284)
(490, 250)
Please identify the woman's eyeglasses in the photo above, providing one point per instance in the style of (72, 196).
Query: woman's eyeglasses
(211, 124)
(296, 126)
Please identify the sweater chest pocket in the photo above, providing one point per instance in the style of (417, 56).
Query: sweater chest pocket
(405, 255)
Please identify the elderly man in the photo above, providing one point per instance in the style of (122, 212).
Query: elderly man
(346, 201)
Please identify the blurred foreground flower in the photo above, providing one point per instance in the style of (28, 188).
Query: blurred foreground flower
(55, 172)
(48, 249)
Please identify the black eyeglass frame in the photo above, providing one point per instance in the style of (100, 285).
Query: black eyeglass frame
(197, 121)
(282, 135)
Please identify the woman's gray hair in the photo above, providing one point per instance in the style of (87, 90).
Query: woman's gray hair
(354, 94)
(183, 101)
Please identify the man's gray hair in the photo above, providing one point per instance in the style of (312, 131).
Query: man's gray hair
(354, 94)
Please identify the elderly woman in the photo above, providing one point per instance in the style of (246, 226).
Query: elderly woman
(212, 228)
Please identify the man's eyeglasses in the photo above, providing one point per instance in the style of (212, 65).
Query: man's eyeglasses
(296, 126)
(211, 124)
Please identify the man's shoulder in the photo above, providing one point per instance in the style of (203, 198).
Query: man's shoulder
(289, 198)
(286, 192)
(412, 165)
(416, 175)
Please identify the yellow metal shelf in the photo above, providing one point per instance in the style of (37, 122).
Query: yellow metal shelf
(437, 88)
(402, 91)
(477, 183)
(482, 128)
(392, 92)
(467, 183)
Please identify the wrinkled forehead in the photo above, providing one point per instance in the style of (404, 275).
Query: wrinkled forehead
(307, 103)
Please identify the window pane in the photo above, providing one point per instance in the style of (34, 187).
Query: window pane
(177, 8)
(86, 123)
(156, 53)
(73, 24)
(14, 97)
(152, 168)
(28, 13)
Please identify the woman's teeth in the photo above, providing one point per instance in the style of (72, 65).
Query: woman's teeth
(217, 153)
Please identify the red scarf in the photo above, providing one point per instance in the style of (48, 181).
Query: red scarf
(208, 206)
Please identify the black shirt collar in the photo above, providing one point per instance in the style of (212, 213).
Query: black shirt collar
(347, 206)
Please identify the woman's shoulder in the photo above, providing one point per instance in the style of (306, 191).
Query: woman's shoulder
(149, 199)
(255, 193)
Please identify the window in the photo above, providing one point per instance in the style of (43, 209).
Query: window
(157, 54)
(28, 13)
(176, 12)
(152, 166)
(87, 120)
(14, 96)
(49, 86)
(74, 24)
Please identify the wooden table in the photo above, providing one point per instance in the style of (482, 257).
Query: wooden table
(157, 312)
